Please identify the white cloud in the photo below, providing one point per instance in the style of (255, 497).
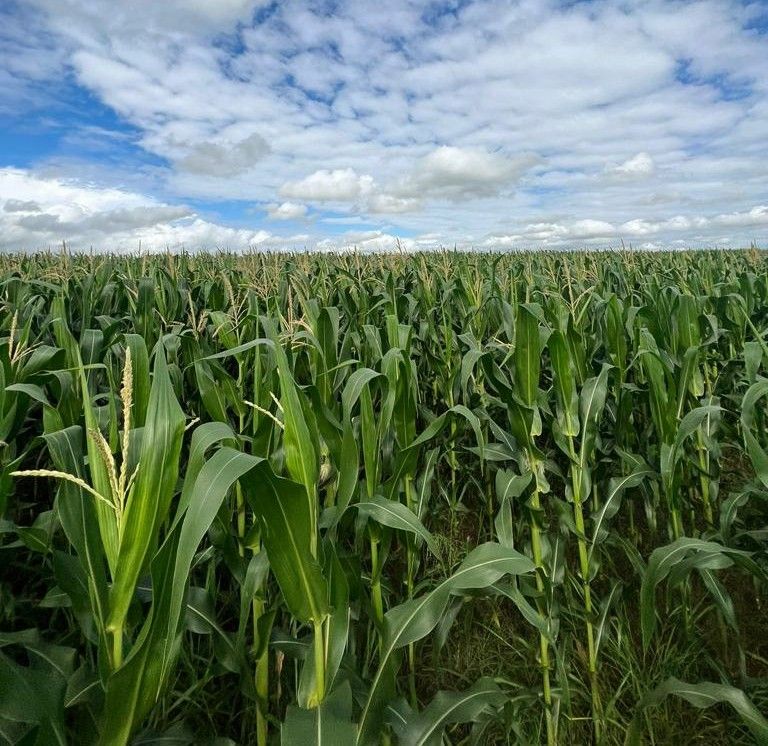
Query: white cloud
(466, 171)
(142, 16)
(86, 215)
(445, 173)
(197, 233)
(496, 121)
(344, 220)
(389, 203)
(376, 240)
(757, 216)
(339, 185)
(29, 57)
(287, 211)
(560, 232)
(461, 173)
(640, 227)
(637, 167)
(590, 229)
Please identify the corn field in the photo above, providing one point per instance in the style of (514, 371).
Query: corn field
(445, 498)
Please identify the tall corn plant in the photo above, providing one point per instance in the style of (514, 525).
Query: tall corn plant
(521, 400)
(120, 520)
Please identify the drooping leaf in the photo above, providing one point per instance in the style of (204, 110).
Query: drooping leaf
(447, 708)
(412, 620)
(398, 516)
(701, 696)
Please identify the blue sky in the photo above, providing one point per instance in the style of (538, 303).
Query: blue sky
(329, 124)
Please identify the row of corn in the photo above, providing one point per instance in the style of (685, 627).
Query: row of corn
(376, 499)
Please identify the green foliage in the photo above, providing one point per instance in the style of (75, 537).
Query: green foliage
(419, 499)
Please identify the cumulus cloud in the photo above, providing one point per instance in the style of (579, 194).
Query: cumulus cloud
(197, 233)
(416, 121)
(86, 215)
(461, 173)
(754, 218)
(390, 204)
(559, 232)
(140, 16)
(447, 173)
(376, 240)
(602, 232)
(214, 159)
(287, 211)
(112, 219)
(339, 185)
(109, 222)
(757, 216)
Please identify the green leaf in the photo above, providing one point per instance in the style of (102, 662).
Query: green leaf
(99, 478)
(689, 424)
(527, 354)
(426, 728)
(508, 486)
(301, 455)
(77, 514)
(328, 724)
(282, 508)
(564, 380)
(210, 488)
(655, 372)
(34, 693)
(349, 466)
(141, 378)
(757, 454)
(528, 612)
(611, 503)
(31, 390)
(398, 516)
(414, 619)
(151, 496)
(134, 688)
(204, 437)
(591, 405)
(665, 560)
(701, 696)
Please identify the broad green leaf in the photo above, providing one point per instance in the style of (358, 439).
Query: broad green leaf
(141, 378)
(99, 478)
(281, 506)
(301, 456)
(756, 452)
(701, 696)
(564, 379)
(135, 687)
(662, 562)
(611, 502)
(426, 728)
(527, 354)
(77, 514)
(396, 515)
(328, 724)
